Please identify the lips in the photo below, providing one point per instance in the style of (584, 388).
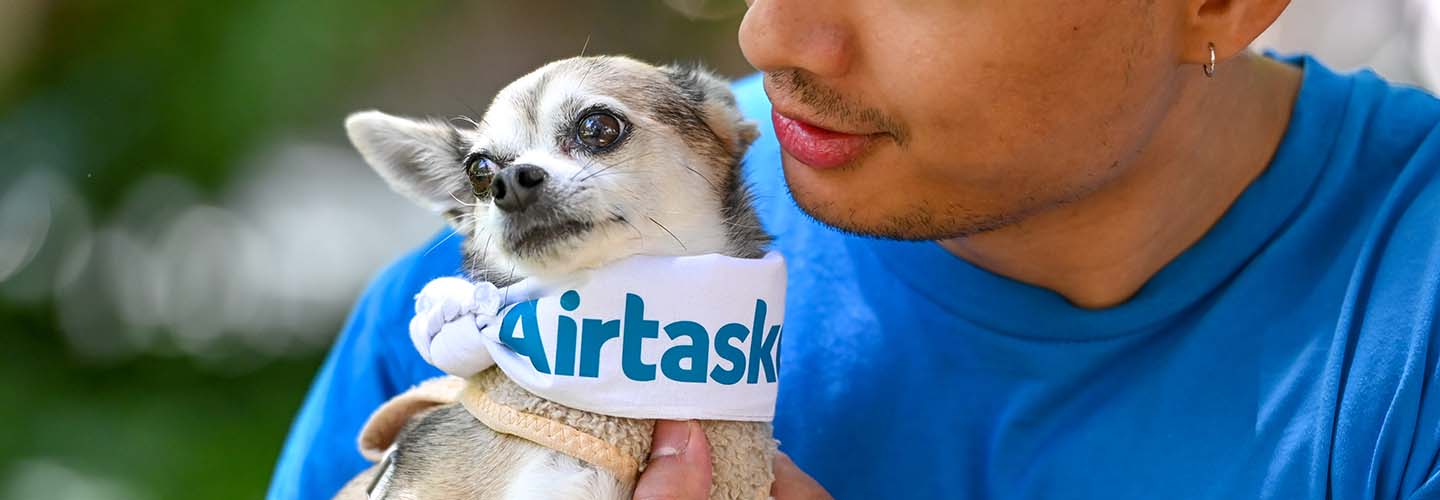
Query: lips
(818, 147)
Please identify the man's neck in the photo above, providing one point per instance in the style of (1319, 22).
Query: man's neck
(1097, 251)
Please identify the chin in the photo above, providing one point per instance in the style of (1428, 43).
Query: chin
(595, 246)
(831, 196)
(844, 199)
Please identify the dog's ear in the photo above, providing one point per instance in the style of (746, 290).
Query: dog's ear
(717, 104)
(420, 159)
(385, 423)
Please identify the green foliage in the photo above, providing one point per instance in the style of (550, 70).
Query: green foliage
(117, 89)
(157, 424)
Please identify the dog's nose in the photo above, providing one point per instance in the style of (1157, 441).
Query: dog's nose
(517, 187)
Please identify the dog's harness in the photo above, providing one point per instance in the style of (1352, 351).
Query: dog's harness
(476, 396)
(549, 433)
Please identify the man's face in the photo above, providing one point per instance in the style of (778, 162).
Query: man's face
(959, 116)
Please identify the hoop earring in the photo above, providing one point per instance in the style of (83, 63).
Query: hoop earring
(1210, 68)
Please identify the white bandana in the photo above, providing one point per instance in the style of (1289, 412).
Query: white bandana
(694, 337)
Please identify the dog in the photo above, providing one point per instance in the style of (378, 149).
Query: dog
(580, 163)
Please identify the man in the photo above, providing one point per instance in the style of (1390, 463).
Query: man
(1128, 273)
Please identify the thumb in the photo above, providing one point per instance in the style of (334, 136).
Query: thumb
(679, 467)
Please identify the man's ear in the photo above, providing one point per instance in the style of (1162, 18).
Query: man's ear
(717, 104)
(1229, 24)
(420, 159)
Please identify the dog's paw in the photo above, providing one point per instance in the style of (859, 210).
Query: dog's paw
(448, 297)
(449, 315)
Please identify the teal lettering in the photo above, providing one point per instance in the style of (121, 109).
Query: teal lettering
(594, 334)
(681, 362)
(727, 351)
(697, 353)
(565, 346)
(570, 300)
(565, 335)
(637, 329)
(530, 346)
(762, 352)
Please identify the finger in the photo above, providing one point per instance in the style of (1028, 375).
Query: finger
(791, 483)
(679, 466)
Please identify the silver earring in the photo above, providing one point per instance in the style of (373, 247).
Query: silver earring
(1210, 68)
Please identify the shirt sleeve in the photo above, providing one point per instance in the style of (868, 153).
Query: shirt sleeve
(371, 361)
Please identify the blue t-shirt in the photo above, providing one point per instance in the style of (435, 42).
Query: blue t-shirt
(1290, 353)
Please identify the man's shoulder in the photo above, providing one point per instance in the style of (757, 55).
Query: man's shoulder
(1394, 135)
(1386, 338)
(1394, 124)
(1378, 146)
(440, 256)
(387, 304)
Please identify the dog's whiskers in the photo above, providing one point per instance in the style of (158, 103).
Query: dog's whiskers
(598, 172)
(462, 202)
(627, 159)
(616, 164)
(667, 231)
(467, 106)
(441, 242)
(739, 225)
(626, 221)
(687, 166)
(509, 280)
(483, 256)
(588, 163)
(465, 119)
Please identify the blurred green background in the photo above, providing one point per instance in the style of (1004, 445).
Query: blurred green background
(183, 226)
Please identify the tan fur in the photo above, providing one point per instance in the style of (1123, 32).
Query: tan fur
(481, 468)
(480, 465)
(355, 489)
(379, 432)
(741, 452)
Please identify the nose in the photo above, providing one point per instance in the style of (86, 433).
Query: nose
(799, 34)
(517, 187)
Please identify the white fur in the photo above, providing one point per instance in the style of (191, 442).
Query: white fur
(551, 475)
(649, 183)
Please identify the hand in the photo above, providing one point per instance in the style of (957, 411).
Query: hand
(791, 483)
(679, 468)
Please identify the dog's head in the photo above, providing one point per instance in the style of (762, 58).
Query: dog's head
(579, 163)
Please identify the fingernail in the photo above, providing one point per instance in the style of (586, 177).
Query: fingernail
(671, 440)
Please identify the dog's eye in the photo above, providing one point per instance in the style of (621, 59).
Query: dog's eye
(480, 170)
(599, 130)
